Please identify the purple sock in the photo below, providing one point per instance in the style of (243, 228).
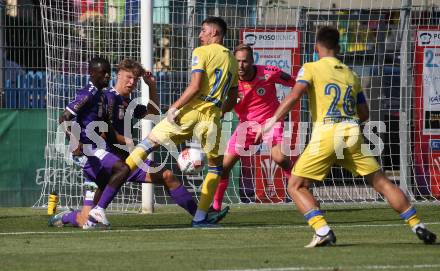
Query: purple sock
(88, 203)
(70, 218)
(184, 199)
(107, 196)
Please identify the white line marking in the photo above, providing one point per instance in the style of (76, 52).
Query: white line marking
(362, 267)
(197, 229)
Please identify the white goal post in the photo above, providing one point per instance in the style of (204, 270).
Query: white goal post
(147, 61)
(387, 43)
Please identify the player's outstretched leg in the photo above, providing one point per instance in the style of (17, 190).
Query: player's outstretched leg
(177, 190)
(298, 189)
(400, 203)
(63, 218)
(76, 217)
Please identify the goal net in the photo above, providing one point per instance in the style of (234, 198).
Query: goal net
(393, 46)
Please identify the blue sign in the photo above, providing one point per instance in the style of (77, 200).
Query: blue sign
(434, 144)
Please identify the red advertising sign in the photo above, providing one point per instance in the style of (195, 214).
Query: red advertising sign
(278, 47)
(427, 111)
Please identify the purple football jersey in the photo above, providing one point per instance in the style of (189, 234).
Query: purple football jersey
(116, 107)
(88, 106)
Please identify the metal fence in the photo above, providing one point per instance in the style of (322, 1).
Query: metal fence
(22, 57)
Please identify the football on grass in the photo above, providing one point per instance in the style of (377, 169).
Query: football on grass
(190, 161)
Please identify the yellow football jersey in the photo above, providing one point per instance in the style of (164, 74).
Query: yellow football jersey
(333, 89)
(221, 70)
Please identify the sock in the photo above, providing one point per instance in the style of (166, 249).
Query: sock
(184, 199)
(200, 215)
(88, 198)
(220, 193)
(70, 218)
(287, 173)
(107, 196)
(410, 217)
(209, 187)
(316, 220)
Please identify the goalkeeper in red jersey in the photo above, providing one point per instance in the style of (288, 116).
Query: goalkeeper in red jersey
(257, 103)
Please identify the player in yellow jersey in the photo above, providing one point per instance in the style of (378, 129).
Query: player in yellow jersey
(337, 106)
(211, 92)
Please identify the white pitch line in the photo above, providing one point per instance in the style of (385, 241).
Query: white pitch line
(197, 229)
(362, 267)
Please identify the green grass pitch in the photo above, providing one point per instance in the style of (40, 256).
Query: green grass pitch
(252, 237)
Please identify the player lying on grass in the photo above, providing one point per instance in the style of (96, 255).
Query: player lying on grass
(337, 106)
(212, 90)
(118, 99)
(257, 103)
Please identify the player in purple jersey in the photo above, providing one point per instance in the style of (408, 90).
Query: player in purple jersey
(88, 109)
(118, 99)
(89, 102)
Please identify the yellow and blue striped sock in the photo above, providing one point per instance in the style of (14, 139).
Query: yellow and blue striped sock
(209, 187)
(410, 217)
(316, 220)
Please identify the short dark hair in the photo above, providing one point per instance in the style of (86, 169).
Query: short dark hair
(97, 61)
(328, 36)
(244, 47)
(218, 22)
(131, 66)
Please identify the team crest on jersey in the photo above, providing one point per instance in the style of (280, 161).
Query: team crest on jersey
(195, 60)
(261, 91)
(266, 76)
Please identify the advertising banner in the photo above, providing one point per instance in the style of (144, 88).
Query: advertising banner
(427, 111)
